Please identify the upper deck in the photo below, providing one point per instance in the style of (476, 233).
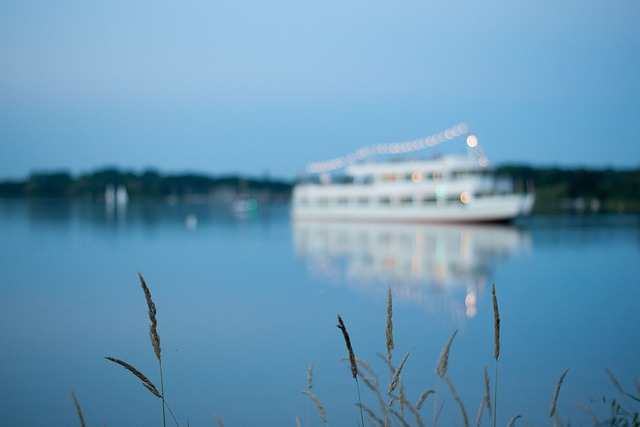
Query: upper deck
(415, 170)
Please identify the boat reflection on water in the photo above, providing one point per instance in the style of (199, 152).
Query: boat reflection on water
(440, 267)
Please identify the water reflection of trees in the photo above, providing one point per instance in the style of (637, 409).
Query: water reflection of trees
(442, 267)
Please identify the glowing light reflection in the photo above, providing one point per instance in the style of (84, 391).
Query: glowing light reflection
(472, 141)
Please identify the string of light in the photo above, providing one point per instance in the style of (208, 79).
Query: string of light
(392, 148)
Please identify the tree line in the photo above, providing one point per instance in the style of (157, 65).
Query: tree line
(147, 185)
(556, 188)
(608, 189)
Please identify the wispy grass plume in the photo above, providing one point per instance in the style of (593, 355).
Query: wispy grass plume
(389, 340)
(153, 332)
(78, 410)
(443, 361)
(145, 381)
(589, 412)
(389, 329)
(319, 405)
(552, 411)
(396, 376)
(480, 411)
(513, 420)
(347, 340)
(496, 349)
(618, 387)
(465, 419)
(155, 338)
(496, 323)
(422, 398)
(487, 390)
(352, 361)
(218, 420)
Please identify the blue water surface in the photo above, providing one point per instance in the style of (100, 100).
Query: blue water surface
(247, 301)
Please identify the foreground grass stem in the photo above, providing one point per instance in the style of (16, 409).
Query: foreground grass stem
(352, 362)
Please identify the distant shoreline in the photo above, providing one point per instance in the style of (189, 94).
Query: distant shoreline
(557, 189)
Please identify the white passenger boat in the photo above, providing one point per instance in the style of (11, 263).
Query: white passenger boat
(445, 189)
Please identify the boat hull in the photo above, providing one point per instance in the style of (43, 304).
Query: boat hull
(490, 209)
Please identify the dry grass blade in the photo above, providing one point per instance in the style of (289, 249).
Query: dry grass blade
(589, 412)
(78, 410)
(512, 421)
(458, 401)
(389, 329)
(318, 404)
(556, 393)
(443, 361)
(619, 387)
(364, 365)
(496, 323)
(480, 410)
(145, 381)
(298, 423)
(373, 386)
(400, 418)
(153, 333)
(396, 375)
(310, 376)
(347, 340)
(614, 381)
(557, 421)
(422, 398)
(487, 390)
(407, 405)
(220, 423)
(372, 415)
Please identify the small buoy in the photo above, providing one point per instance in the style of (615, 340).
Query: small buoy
(191, 221)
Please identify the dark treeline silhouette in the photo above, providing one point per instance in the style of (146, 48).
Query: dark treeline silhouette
(556, 188)
(608, 190)
(148, 185)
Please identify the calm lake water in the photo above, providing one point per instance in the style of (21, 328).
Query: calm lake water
(246, 302)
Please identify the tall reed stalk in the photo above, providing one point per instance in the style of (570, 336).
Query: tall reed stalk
(78, 410)
(441, 371)
(390, 345)
(554, 401)
(496, 349)
(155, 339)
(155, 343)
(352, 362)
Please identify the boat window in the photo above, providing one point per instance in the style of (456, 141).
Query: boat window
(343, 201)
(389, 177)
(303, 201)
(363, 200)
(323, 201)
(427, 200)
(406, 200)
(385, 201)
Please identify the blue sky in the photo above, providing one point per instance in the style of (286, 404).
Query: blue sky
(256, 87)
